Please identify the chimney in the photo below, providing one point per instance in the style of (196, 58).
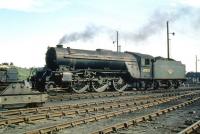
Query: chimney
(59, 46)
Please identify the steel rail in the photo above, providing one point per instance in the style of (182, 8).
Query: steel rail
(144, 118)
(72, 106)
(46, 115)
(91, 95)
(67, 124)
(191, 129)
(64, 96)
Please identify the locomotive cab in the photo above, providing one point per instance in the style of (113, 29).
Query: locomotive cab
(145, 64)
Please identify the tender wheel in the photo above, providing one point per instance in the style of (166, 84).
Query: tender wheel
(155, 85)
(119, 85)
(176, 84)
(168, 85)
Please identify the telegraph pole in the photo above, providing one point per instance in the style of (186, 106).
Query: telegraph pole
(168, 56)
(167, 39)
(117, 41)
(196, 67)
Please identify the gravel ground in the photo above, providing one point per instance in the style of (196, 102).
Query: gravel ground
(22, 127)
(78, 101)
(170, 123)
(90, 127)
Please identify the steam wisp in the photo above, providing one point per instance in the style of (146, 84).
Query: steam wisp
(89, 33)
(155, 24)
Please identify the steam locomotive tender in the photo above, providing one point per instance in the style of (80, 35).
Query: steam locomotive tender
(85, 70)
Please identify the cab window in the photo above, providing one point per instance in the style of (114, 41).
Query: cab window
(147, 61)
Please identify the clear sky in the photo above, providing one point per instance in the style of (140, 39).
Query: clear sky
(28, 27)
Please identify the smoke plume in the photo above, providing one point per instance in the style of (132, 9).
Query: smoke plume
(89, 33)
(156, 23)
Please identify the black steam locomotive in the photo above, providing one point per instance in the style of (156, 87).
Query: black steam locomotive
(84, 70)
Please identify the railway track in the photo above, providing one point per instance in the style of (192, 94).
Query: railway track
(194, 128)
(70, 115)
(79, 105)
(149, 117)
(67, 96)
(73, 106)
(58, 111)
(120, 111)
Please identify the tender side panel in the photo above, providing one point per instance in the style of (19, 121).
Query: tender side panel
(167, 69)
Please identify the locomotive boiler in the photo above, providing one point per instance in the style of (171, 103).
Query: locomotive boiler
(86, 70)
